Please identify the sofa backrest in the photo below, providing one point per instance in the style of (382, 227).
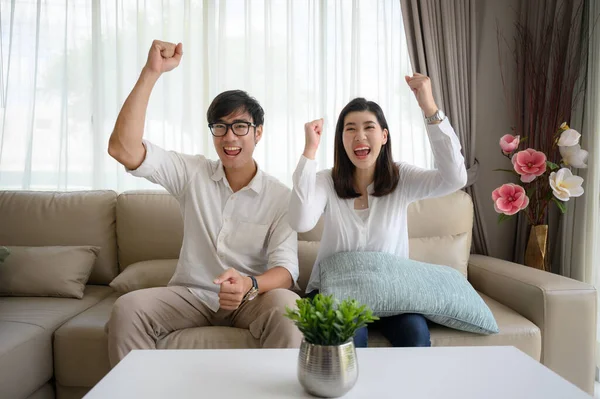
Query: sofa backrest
(36, 218)
(439, 230)
(149, 226)
(450, 215)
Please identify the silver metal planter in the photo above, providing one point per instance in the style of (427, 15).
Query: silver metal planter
(327, 371)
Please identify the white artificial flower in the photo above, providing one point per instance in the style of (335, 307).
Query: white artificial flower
(565, 185)
(569, 138)
(574, 156)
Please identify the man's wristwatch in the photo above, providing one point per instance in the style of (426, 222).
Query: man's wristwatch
(437, 117)
(250, 295)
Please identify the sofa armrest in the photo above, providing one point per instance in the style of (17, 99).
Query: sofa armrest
(564, 310)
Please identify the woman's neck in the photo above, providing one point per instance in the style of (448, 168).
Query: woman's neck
(362, 179)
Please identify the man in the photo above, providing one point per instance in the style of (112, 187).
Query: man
(239, 255)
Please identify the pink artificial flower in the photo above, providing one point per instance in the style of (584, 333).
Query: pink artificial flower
(529, 164)
(509, 199)
(509, 143)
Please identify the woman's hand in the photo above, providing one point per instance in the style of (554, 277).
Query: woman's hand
(312, 132)
(421, 86)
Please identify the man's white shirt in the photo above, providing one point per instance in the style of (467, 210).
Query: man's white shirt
(247, 230)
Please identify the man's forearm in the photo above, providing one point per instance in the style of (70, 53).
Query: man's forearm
(125, 143)
(277, 277)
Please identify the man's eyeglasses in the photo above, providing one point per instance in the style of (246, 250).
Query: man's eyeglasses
(238, 128)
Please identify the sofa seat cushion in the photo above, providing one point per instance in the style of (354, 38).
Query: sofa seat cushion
(81, 346)
(515, 330)
(26, 328)
(50, 313)
(45, 392)
(81, 350)
(25, 350)
(71, 392)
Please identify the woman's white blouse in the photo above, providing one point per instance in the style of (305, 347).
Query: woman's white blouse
(385, 228)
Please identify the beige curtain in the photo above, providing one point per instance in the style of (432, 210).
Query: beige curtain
(442, 44)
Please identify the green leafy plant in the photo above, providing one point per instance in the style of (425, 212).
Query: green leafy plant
(323, 321)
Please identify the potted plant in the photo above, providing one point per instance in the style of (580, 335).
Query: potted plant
(327, 364)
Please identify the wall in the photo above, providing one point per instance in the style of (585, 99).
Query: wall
(492, 118)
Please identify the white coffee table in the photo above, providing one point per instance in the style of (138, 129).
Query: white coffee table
(440, 372)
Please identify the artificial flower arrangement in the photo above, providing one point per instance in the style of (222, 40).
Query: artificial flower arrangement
(541, 180)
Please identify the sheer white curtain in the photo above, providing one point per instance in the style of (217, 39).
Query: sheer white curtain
(68, 65)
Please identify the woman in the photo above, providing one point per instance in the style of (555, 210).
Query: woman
(365, 196)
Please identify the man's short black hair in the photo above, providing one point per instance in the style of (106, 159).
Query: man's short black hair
(235, 100)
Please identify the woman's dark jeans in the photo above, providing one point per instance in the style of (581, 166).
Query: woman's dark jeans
(408, 329)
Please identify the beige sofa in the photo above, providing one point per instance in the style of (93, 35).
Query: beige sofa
(56, 347)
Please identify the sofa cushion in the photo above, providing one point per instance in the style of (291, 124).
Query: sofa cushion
(35, 218)
(49, 313)
(81, 353)
(81, 346)
(63, 392)
(47, 271)
(145, 274)
(442, 216)
(26, 328)
(450, 250)
(515, 330)
(307, 255)
(391, 285)
(45, 392)
(150, 227)
(25, 358)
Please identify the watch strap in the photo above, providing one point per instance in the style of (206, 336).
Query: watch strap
(437, 117)
(253, 291)
(254, 282)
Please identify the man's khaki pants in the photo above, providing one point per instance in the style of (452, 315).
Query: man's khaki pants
(140, 318)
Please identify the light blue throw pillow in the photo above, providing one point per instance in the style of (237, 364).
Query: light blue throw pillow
(391, 285)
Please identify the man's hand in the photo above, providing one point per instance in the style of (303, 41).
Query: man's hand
(163, 57)
(312, 132)
(234, 287)
(421, 86)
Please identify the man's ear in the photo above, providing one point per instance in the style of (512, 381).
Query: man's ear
(258, 134)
